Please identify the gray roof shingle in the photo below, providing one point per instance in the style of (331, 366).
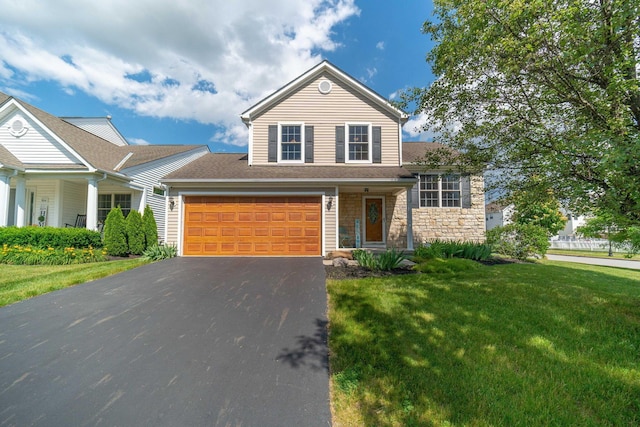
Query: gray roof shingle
(235, 167)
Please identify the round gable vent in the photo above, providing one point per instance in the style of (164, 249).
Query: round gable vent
(324, 86)
(18, 128)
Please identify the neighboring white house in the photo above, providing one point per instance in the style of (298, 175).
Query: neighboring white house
(497, 215)
(54, 171)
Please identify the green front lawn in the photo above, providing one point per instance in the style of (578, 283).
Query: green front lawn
(18, 282)
(505, 345)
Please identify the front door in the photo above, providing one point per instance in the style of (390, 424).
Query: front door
(373, 212)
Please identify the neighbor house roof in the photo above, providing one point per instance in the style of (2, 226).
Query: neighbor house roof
(98, 152)
(414, 151)
(8, 159)
(310, 75)
(225, 167)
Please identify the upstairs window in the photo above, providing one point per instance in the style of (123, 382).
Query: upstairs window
(440, 191)
(359, 142)
(291, 137)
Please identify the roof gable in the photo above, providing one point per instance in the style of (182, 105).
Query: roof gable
(99, 126)
(310, 76)
(30, 141)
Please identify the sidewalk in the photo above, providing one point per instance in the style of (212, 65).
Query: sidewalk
(597, 261)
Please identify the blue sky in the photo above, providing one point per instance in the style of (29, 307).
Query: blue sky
(181, 72)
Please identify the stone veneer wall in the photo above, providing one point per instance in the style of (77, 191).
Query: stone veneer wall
(455, 224)
(350, 209)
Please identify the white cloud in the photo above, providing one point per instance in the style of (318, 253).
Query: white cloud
(238, 51)
(380, 45)
(138, 141)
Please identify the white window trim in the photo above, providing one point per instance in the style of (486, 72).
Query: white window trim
(440, 175)
(113, 196)
(346, 142)
(302, 142)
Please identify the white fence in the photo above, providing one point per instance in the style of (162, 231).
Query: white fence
(599, 245)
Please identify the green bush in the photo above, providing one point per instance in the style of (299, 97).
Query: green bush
(115, 233)
(451, 249)
(50, 237)
(447, 266)
(160, 252)
(150, 228)
(135, 233)
(27, 255)
(386, 261)
(390, 259)
(520, 241)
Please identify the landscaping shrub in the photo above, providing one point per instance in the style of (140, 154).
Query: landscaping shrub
(135, 233)
(390, 259)
(386, 261)
(159, 252)
(450, 249)
(50, 237)
(115, 234)
(27, 255)
(447, 266)
(150, 228)
(520, 241)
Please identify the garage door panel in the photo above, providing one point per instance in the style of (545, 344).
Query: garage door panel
(274, 225)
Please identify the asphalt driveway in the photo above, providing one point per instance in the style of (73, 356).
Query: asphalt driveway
(182, 342)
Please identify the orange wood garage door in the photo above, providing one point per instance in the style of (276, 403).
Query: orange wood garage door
(223, 225)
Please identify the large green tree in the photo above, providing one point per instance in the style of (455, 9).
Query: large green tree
(540, 88)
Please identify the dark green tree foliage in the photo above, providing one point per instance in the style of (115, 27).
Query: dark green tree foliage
(539, 88)
(135, 233)
(115, 233)
(150, 227)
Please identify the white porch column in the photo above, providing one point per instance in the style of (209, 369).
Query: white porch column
(409, 221)
(21, 201)
(92, 204)
(143, 201)
(4, 199)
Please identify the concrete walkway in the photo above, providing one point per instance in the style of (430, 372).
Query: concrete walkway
(182, 342)
(597, 261)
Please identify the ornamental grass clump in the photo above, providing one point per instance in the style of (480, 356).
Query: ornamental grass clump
(160, 252)
(386, 261)
(27, 255)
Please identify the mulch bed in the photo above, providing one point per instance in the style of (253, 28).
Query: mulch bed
(357, 272)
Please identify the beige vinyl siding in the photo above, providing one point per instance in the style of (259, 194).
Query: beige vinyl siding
(173, 226)
(324, 112)
(36, 146)
(329, 226)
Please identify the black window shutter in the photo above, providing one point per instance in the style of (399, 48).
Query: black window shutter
(415, 193)
(308, 144)
(377, 144)
(465, 187)
(273, 143)
(339, 144)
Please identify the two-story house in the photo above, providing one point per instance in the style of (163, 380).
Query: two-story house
(326, 168)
